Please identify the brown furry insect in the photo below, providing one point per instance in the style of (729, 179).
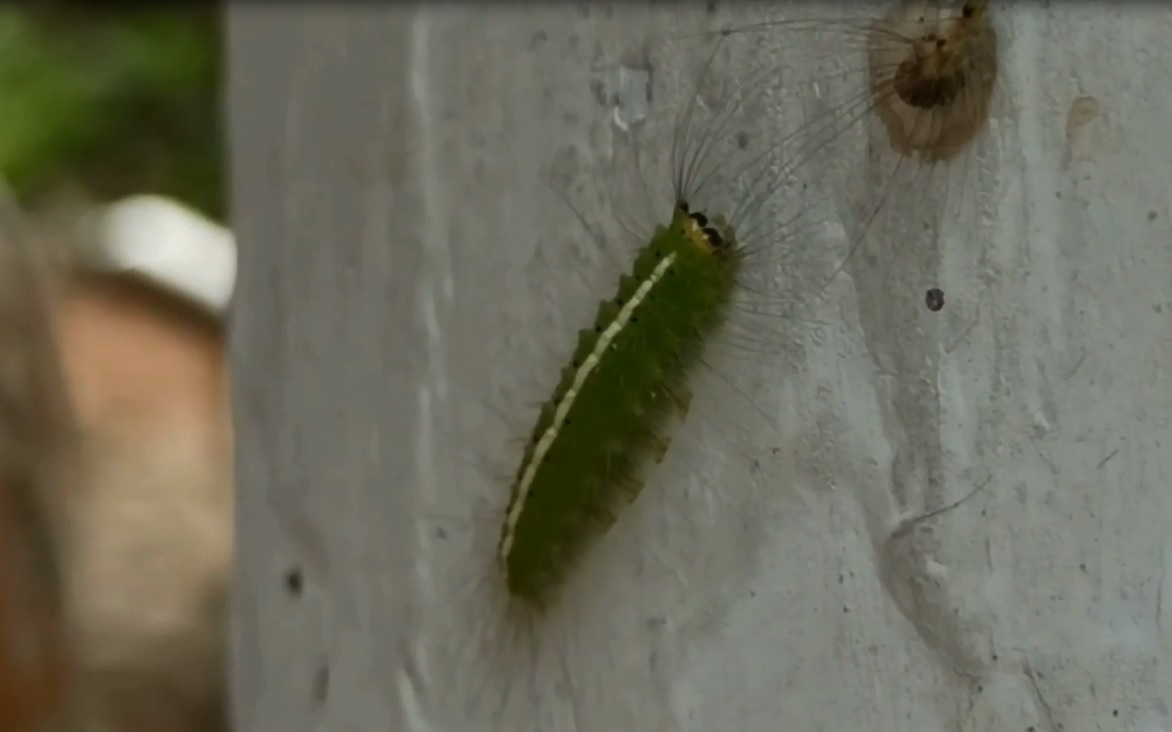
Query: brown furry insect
(933, 72)
(921, 81)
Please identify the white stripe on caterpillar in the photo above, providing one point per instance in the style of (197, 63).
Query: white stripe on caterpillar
(567, 401)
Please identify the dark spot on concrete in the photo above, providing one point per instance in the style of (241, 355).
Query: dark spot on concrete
(934, 299)
(294, 583)
(599, 91)
(321, 685)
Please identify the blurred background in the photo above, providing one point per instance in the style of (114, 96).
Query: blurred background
(111, 100)
(116, 513)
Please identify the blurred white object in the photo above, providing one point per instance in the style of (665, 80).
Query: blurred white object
(169, 245)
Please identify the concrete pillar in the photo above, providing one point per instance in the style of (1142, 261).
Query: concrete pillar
(408, 288)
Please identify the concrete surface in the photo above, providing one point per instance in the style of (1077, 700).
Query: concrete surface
(408, 286)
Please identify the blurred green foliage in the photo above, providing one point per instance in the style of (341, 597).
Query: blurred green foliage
(116, 99)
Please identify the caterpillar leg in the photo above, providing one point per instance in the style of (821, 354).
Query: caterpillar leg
(659, 447)
(631, 487)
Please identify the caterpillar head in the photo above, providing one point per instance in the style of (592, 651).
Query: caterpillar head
(713, 235)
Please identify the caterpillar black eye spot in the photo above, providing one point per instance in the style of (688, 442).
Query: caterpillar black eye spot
(700, 219)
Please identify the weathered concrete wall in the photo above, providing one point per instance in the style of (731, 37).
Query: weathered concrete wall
(408, 286)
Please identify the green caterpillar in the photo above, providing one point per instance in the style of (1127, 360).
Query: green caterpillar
(630, 370)
(627, 375)
(711, 281)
